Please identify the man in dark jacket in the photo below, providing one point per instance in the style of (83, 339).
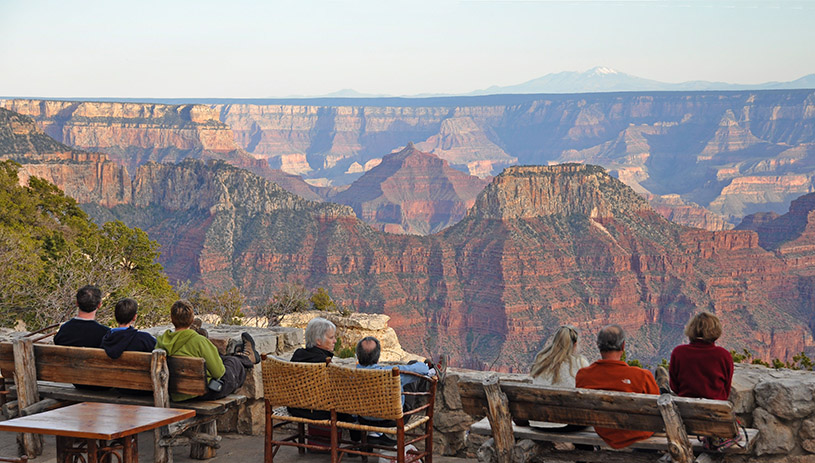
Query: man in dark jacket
(83, 330)
(125, 337)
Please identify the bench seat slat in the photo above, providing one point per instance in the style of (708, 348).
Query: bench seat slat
(68, 392)
(589, 437)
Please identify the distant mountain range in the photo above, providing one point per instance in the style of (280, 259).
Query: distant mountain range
(597, 79)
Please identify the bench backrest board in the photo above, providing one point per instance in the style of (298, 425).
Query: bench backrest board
(589, 407)
(91, 366)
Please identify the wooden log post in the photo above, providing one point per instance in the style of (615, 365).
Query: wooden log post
(25, 375)
(678, 444)
(200, 450)
(500, 420)
(160, 376)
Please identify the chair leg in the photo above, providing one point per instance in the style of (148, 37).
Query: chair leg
(268, 451)
(301, 437)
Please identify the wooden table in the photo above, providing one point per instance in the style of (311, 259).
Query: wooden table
(79, 426)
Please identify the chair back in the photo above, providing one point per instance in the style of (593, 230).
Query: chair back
(364, 392)
(295, 384)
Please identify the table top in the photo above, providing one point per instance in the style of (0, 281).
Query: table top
(92, 420)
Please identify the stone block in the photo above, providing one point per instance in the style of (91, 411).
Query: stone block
(265, 339)
(228, 422)
(251, 418)
(788, 397)
(289, 338)
(449, 443)
(253, 386)
(745, 379)
(452, 421)
(807, 434)
(774, 436)
(449, 392)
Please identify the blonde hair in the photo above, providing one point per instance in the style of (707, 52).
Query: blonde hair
(559, 349)
(704, 326)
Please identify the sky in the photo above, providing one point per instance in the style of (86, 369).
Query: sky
(262, 49)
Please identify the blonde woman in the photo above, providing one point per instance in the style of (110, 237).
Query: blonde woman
(557, 364)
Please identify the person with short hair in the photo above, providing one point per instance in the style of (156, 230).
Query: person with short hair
(700, 368)
(225, 374)
(368, 351)
(126, 337)
(321, 336)
(610, 373)
(83, 330)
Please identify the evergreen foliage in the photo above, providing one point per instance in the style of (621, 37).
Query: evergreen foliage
(50, 248)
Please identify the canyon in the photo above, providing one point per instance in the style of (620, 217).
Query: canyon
(541, 246)
(704, 159)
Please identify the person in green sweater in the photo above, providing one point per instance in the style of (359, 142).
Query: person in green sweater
(225, 374)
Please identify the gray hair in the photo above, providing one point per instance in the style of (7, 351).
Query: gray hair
(317, 329)
(610, 338)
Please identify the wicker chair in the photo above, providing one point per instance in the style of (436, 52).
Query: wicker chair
(301, 385)
(378, 394)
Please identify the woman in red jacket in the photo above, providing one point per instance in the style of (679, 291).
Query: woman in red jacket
(702, 369)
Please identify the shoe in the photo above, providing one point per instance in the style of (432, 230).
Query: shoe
(382, 440)
(249, 348)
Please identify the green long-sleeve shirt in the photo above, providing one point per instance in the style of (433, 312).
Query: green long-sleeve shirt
(188, 343)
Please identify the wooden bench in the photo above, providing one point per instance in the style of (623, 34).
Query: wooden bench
(677, 417)
(337, 389)
(44, 376)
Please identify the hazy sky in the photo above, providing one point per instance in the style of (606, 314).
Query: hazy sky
(245, 49)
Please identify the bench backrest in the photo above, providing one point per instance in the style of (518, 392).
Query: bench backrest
(620, 410)
(92, 366)
(366, 392)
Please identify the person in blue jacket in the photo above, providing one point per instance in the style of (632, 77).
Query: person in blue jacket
(125, 337)
(368, 351)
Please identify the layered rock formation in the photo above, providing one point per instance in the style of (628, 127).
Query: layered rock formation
(87, 177)
(135, 133)
(733, 153)
(541, 246)
(411, 192)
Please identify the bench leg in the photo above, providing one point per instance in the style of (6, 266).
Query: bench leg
(199, 451)
(162, 453)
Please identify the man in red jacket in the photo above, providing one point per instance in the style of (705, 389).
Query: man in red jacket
(612, 374)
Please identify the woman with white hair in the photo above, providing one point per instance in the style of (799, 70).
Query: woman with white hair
(321, 335)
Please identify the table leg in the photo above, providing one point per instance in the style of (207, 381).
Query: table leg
(61, 444)
(130, 449)
(93, 455)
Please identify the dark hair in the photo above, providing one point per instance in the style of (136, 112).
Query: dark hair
(182, 313)
(368, 357)
(610, 338)
(88, 298)
(125, 310)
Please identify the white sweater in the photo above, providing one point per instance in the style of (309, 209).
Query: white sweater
(566, 379)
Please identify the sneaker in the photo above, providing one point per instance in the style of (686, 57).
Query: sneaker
(249, 348)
